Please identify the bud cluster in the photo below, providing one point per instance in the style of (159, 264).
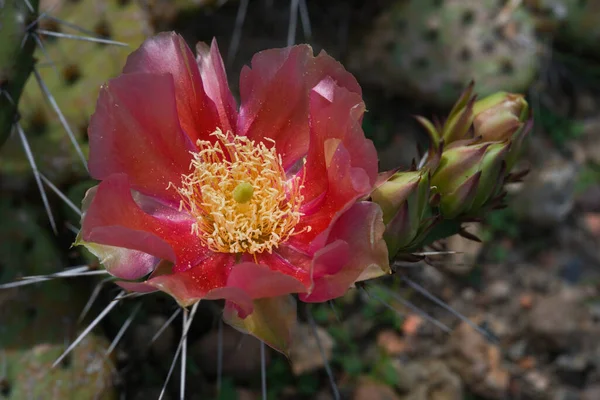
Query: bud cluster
(463, 174)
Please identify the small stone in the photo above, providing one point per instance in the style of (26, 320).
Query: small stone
(391, 342)
(536, 279)
(557, 320)
(478, 362)
(246, 394)
(305, 355)
(429, 379)
(591, 393)
(517, 350)
(592, 223)
(571, 269)
(468, 294)
(565, 393)
(324, 394)
(526, 300)
(539, 382)
(589, 199)
(498, 291)
(527, 362)
(368, 390)
(590, 140)
(573, 369)
(411, 324)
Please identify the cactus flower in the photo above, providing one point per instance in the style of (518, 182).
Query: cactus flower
(203, 200)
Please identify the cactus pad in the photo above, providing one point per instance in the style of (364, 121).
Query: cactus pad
(16, 58)
(433, 48)
(78, 70)
(36, 325)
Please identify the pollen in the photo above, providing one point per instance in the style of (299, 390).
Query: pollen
(239, 195)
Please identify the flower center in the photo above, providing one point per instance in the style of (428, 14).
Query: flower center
(239, 195)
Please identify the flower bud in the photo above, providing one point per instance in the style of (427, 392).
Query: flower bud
(500, 117)
(469, 177)
(496, 118)
(404, 199)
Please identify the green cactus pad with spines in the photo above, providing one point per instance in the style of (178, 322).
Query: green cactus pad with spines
(87, 375)
(36, 325)
(37, 321)
(16, 58)
(80, 68)
(25, 247)
(432, 48)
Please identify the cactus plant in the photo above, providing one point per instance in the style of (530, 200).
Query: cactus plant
(16, 57)
(432, 49)
(36, 321)
(73, 71)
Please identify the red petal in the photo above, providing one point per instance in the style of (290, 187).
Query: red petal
(341, 165)
(217, 277)
(135, 131)
(215, 83)
(274, 96)
(123, 263)
(195, 283)
(289, 261)
(168, 53)
(355, 245)
(114, 218)
(120, 262)
(260, 281)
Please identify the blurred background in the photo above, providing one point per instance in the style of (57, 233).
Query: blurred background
(532, 286)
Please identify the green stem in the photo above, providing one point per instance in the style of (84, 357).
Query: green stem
(16, 58)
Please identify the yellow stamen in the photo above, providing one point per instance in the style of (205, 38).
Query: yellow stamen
(239, 195)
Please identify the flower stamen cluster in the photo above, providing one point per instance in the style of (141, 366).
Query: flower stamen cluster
(239, 195)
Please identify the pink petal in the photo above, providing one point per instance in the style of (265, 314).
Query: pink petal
(272, 321)
(361, 230)
(274, 96)
(195, 283)
(120, 262)
(260, 281)
(135, 131)
(326, 66)
(114, 218)
(288, 261)
(341, 165)
(217, 277)
(168, 53)
(123, 263)
(248, 281)
(214, 79)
